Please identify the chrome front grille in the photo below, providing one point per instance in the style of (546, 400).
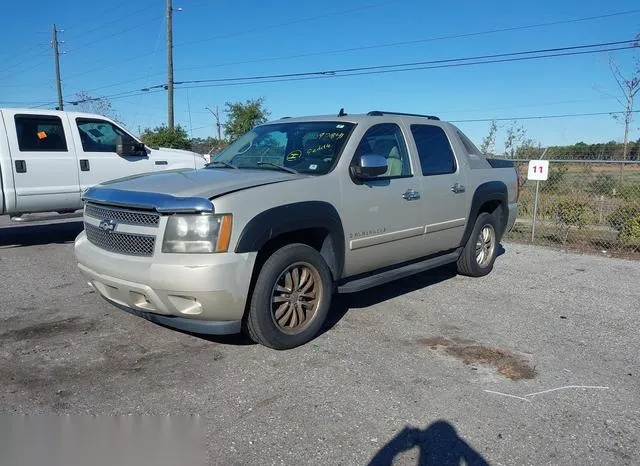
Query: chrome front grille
(130, 217)
(121, 243)
(122, 231)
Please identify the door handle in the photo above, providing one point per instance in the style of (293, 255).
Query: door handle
(458, 188)
(411, 195)
(21, 166)
(84, 165)
(162, 162)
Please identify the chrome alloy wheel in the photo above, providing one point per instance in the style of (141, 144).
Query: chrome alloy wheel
(295, 297)
(485, 245)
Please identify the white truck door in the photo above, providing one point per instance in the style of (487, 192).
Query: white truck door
(98, 160)
(444, 185)
(44, 163)
(383, 217)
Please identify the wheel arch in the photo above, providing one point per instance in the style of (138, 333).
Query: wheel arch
(489, 197)
(315, 223)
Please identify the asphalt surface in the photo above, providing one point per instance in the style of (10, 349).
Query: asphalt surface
(431, 369)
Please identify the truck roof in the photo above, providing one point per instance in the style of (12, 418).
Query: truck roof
(45, 111)
(362, 117)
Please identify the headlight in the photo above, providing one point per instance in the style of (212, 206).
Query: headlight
(197, 233)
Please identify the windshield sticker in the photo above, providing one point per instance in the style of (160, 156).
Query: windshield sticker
(315, 150)
(331, 135)
(339, 126)
(294, 155)
(313, 167)
(42, 135)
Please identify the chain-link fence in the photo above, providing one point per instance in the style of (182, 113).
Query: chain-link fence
(588, 205)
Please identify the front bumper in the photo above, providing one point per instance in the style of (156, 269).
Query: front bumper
(200, 293)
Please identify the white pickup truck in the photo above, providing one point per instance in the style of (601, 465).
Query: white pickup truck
(48, 158)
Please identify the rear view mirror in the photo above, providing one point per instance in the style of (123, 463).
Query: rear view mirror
(370, 166)
(126, 145)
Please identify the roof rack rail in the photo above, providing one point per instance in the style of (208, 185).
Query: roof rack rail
(381, 113)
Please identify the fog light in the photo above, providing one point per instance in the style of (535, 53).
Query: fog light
(186, 305)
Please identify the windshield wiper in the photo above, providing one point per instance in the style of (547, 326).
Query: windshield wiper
(222, 162)
(286, 169)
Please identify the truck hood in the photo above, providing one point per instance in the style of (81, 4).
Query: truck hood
(206, 183)
(175, 154)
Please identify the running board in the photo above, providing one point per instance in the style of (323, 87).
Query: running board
(387, 276)
(29, 218)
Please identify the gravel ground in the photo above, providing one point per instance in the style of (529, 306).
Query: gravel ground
(428, 370)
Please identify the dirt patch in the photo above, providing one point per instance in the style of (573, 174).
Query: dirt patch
(50, 329)
(508, 364)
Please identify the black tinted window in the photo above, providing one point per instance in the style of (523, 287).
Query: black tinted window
(40, 133)
(386, 139)
(436, 156)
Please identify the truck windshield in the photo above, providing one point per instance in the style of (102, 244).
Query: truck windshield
(306, 147)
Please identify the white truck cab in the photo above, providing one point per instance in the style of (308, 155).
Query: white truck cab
(48, 158)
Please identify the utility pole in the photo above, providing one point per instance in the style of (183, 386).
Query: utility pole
(170, 62)
(216, 114)
(56, 58)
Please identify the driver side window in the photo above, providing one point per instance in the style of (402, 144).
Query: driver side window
(98, 135)
(386, 140)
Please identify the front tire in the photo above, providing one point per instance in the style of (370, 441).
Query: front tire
(291, 298)
(479, 254)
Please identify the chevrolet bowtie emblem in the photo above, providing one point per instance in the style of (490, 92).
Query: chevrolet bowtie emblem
(108, 226)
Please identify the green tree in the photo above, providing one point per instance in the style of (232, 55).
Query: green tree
(242, 117)
(488, 142)
(207, 145)
(516, 140)
(629, 87)
(162, 136)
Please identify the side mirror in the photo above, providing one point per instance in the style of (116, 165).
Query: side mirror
(369, 166)
(126, 146)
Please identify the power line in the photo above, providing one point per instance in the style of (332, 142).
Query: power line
(118, 33)
(540, 117)
(7, 63)
(418, 41)
(105, 13)
(288, 23)
(392, 68)
(353, 49)
(481, 59)
(38, 63)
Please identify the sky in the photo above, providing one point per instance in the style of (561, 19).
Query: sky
(116, 48)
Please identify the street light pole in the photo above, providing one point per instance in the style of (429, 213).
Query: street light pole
(217, 117)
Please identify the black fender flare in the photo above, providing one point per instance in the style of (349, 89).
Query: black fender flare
(293, 217)
(487, 192)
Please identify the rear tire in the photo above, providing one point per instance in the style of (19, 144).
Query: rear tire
(291, 298)
(479, 254)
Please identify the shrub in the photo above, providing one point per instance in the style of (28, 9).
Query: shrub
(556, 176)
(569, 214)
(622, 215)
(603, 184)
(629, 191)
(630, 230)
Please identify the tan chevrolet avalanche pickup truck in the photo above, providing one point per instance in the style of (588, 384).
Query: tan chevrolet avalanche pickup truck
(291, 213)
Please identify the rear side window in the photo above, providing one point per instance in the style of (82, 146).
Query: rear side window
(40, 133)
(436, 156)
